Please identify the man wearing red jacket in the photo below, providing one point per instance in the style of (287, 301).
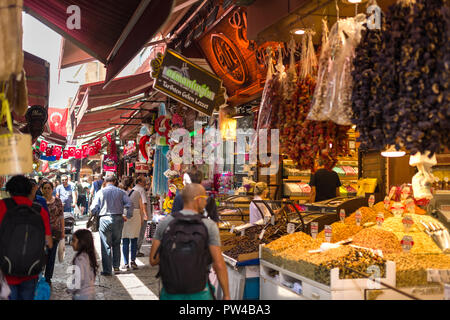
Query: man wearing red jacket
(22, 192)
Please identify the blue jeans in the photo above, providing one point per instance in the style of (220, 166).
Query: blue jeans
(126, 247)
(110, 235)
(51, 261)
(23, 291)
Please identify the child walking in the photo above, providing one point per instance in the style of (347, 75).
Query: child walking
(86, 261)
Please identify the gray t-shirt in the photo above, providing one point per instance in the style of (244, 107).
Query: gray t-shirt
(211, 226)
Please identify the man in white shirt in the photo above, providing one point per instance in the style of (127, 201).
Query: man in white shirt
(140, 187)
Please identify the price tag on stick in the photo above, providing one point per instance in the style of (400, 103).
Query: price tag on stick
(387, 202)
(290, 228)
(380, 219)
(410, 206)
(314, 229)
(342, 215)
(407, 222)
(328, 233)
(358, 217)
(371, 201)
(407, 243)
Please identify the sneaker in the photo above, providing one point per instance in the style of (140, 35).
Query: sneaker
(134, 265)
(140, 254)
(125, 267)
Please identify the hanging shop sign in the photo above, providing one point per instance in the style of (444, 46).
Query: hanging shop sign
(16, 156)
(142, 167)
(182, 80)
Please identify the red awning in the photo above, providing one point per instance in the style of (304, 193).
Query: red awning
(38, 78)
(112, 31)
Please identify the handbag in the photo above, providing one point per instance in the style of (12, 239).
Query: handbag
(42, 291)
(93, 222)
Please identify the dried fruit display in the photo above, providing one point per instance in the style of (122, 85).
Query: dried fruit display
(368, 215)
(368, 120)
(378, 239)
(411, 269)
(340, 231)
(379, 207)
(296, 238)
(411, 76)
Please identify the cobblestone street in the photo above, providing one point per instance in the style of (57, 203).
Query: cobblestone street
(127, 285)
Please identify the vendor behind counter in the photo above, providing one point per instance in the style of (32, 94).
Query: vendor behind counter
(324, 184)
(261, 191)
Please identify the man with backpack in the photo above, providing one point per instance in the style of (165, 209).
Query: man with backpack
(184, 246)
(24, 232)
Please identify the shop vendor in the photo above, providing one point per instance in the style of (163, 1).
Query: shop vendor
(324, 184)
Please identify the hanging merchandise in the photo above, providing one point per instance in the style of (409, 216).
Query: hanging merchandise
(412, 78)
(160, 181)
(332, 98)
(303, 140)
(365, 83)
(142, 146)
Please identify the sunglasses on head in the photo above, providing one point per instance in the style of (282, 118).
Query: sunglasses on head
(201, 197)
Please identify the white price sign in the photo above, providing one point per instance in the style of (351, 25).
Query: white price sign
(371, 201)
(358, 217)
(328, 233)
(342, 215)
(380, 218)
(290, 228)
(314, 229)
(387, 202)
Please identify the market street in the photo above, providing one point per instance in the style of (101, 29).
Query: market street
(128, 285)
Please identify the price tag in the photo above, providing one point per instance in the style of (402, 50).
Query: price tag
(242, 232)
(261, 235)
(371, 201)
(272, 220)
(406, 192)
(410, 206)
(407, 222)
(380, 219)
(397, 209)
(387, 202)
(232, 228)
(358, 217)
(407, 243)
(342, 215)
(290, 228)
(314, 229)
(392, 192)
(328, 233)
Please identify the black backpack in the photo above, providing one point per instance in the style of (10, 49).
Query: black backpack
(22, 240)
(184, 255)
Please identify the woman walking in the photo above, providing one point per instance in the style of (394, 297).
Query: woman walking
(132, 227)
(56, 213)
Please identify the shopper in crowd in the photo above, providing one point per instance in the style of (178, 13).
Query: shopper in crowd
(132, 226)
(188, 271)
(141, 182)
(109, 204)
(86, 262)
(40, 180)
(82, 188)
(21, 191)
(196, 176)
(56, 212)
(37, 198)
(324, 184)
(258, 210)
(96, 185)
(66, 194)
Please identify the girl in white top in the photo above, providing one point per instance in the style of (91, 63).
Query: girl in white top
(261, 191)
(86, 264)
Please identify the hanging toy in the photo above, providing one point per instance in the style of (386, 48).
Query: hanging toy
(162, 126)
(142, 143)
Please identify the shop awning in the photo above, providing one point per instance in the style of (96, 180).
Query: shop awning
(72, 55)
(38, 78)
(111, 31)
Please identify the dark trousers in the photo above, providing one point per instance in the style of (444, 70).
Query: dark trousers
(23, 291)
(51, 258)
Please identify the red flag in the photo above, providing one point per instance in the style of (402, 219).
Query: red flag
(85, 148)
(72, 151)
(92, 150)
(78, 153)
(108, 136)
(58, 156)
(48, 151)
(43, 146)
(98, 143)
(66, 154)
(57, 119)
(57, 151)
